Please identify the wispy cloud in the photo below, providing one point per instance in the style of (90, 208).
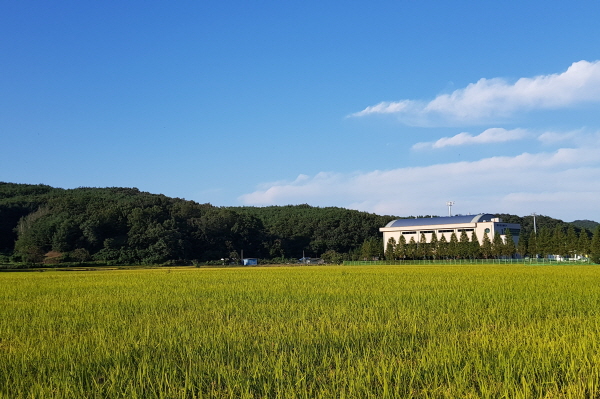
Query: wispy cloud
(493, 99)
(576, 136)
(496, 184)
(493, 135)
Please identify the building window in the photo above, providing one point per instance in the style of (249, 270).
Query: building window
(409, 232)
(487, 230)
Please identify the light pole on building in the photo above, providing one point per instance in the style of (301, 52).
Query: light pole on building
(449, 204)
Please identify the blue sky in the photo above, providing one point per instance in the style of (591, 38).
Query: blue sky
(391, 107)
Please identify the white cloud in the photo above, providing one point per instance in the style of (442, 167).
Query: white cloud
(554, 137)
(493, 135)
(388, 108)
(561, 184)
(579, 138)
(491, 99)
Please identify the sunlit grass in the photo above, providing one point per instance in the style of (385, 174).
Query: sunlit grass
(302, 332)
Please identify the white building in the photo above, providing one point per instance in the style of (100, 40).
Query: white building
(445, 226)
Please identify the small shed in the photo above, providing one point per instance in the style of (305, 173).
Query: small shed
(250, 261)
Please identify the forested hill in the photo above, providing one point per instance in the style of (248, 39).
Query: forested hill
(125, 225)
(316, 230)
(585, 224)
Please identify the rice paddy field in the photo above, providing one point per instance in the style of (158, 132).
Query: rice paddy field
(302, 332)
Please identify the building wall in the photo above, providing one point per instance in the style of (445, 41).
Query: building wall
(446, 230)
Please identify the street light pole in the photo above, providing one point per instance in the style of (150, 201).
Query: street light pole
(450, 203)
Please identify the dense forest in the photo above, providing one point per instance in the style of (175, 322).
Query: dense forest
(127, 226)
(39, 223)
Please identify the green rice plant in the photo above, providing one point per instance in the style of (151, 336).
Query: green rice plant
(302, 332)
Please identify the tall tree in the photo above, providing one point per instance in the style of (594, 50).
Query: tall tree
(464, 249)
(433, 244)
(372, 249)
(559, 241)
(509, 244)
(532, 245)
(544, 242)
(390, 249)
(595, 246)
(486, 246)
(497, 245)
(522, 246)
(411, 248)
(583, 244)
(401, 248)
(423, 249)
(475, 246)
(443, 247)
(572, 242)
(453, 246)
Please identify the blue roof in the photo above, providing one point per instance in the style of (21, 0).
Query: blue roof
(482, 217)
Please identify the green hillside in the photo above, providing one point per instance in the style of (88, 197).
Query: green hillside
(39, 223)
(125, 225)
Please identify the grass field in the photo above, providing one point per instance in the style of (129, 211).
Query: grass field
(302, 332)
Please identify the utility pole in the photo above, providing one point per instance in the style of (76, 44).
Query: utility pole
(534, 226)
(449, 204)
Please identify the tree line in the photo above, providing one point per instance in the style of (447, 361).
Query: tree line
(39, 223)
(563, 240)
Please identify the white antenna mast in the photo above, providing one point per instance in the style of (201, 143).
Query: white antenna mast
(449, 204)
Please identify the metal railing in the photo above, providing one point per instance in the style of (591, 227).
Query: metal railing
(528, 261)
